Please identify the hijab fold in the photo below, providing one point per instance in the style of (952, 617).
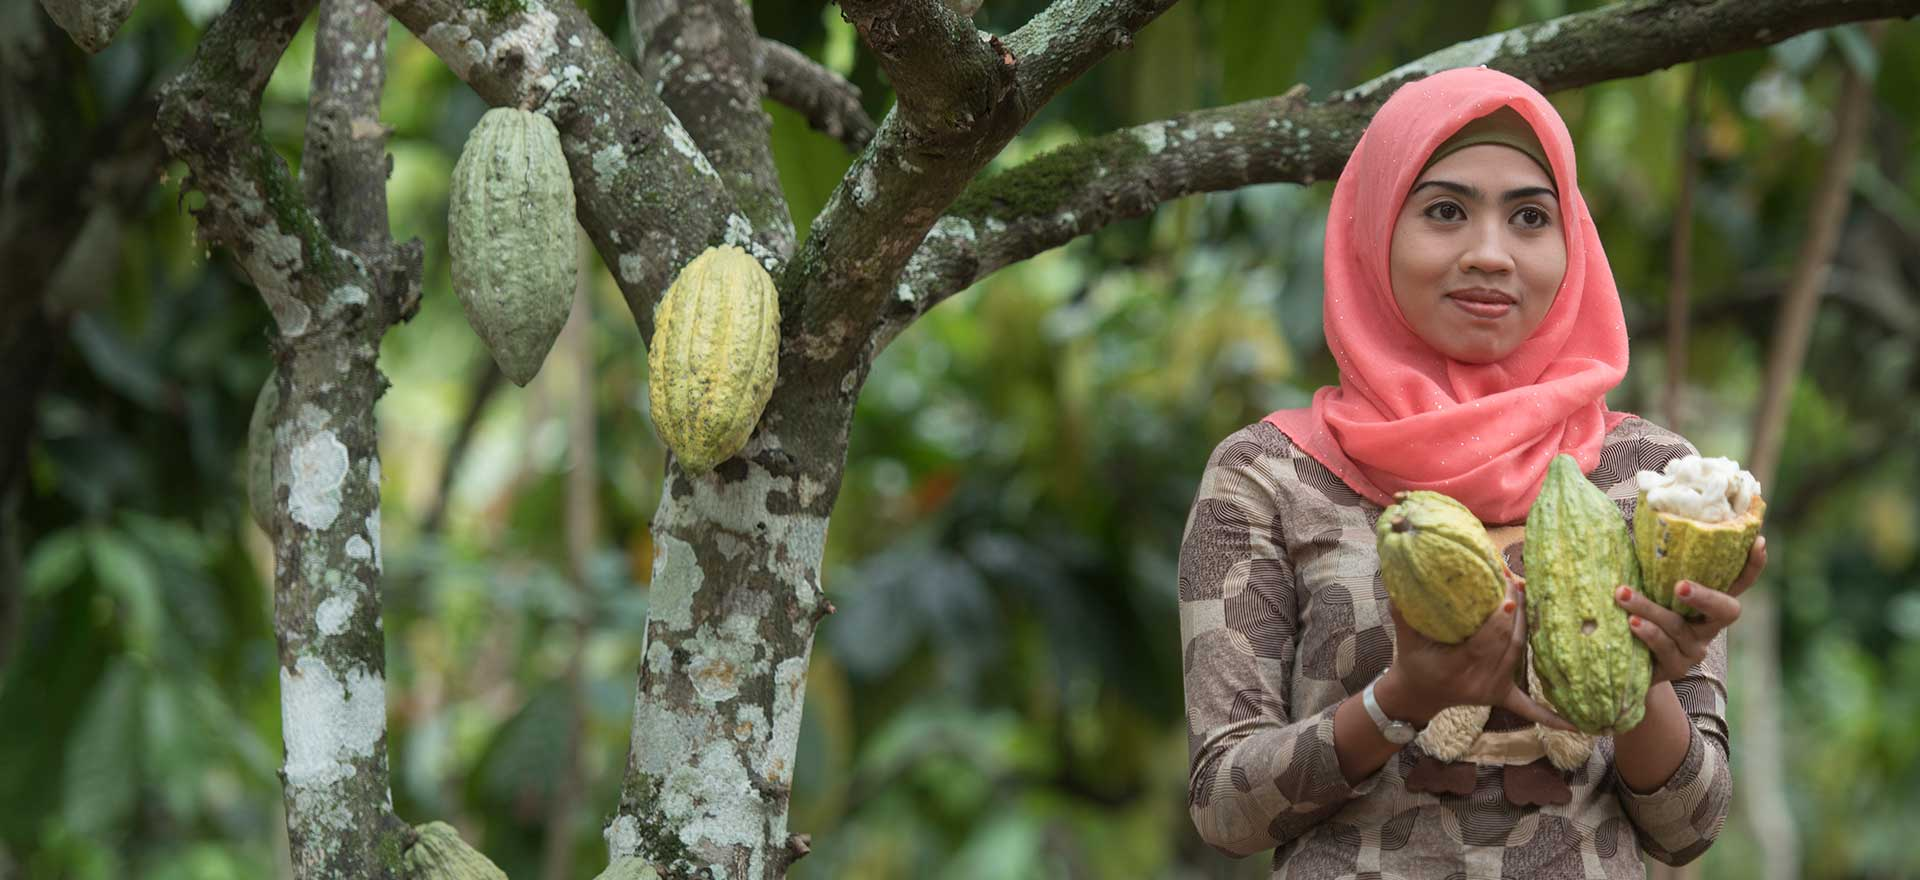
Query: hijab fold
(1405, 416)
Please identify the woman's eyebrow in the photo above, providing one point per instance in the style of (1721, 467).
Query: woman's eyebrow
(1474, 193)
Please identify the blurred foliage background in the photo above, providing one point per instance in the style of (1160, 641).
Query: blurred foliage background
(1000, 694)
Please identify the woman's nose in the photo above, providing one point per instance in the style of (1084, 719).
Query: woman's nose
(1487, 251)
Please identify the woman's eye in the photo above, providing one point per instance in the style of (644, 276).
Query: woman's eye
(1445, 211)
(1531, 217)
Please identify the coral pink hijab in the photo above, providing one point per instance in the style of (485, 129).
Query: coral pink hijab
(1405, 416)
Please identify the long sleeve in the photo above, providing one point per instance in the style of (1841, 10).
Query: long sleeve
(1680, 820)
(1259, 776)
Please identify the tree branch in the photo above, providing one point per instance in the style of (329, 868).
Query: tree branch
(1071, 36)
(647, 196)
(345, 164)
(946, 79)
(705, 58)
(331, 305)
(1070, 192)
(830, 103)
(941, 133)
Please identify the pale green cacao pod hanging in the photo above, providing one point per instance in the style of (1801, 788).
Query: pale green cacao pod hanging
(510, 233)
(91, 23)
(1440, 566)
(260, 453)
(1697, 521)
(440, 854)
(714, 356)
(1593, 669)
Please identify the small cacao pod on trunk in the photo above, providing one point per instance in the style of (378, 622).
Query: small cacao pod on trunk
(1440, 566)
(714, 357)
(260, 453)
(1593, 669)
(91, 23)
(440, 854)
(1695, 521)
(510, 233)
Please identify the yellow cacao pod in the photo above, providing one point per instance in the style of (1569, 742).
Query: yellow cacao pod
(511, 239)
(1440, 566)
(714, 357)
(1697, 521)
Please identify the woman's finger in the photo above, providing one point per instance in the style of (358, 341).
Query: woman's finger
(1526, 707)
(1635, 602)
(1517, 632)
(1717, 610)
(1756, 563)
(1496, 632)
(1668, 659)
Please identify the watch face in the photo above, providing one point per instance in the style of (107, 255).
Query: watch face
(1399, 733)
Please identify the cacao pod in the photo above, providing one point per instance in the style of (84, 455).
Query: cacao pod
(440, 854)
(260, 453)
(511, 238)
(714, 357)
(91, 23)
(1696, 521)
(1440, 567)
(1593, 670)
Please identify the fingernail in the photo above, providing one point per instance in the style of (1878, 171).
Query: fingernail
(1634, 621)
(1509, 606)
(1685, 589)
(1624, 593)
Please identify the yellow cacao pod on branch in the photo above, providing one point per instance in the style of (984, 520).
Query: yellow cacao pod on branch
(714, 356)
(1440, 566)
(510, 235)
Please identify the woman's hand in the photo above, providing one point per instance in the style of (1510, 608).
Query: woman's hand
(1679, 643)
(1428, 676)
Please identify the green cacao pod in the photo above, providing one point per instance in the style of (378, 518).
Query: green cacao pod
(1593, 669)
(510, 233)
(260, 453)
(1440, 567)
(91, 23)
(1696, 521)
(440, 854)
(714, 357)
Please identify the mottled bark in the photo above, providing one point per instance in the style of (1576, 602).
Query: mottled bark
(830, 103)
(736, 588)
(331, 305)
(648, 197)
(947, 77)
(1073, 191)
(705, 59)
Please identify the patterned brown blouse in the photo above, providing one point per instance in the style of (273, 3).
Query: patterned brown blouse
(1283, 615)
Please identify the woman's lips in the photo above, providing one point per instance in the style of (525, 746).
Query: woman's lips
(1481, 308)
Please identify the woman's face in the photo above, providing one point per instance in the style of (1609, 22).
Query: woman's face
(1478, 252)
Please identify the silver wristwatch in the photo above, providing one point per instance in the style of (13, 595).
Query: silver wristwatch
(1397, 732)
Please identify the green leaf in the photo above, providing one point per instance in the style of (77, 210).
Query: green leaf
(55, 562)
(126, 573)
(101, 777)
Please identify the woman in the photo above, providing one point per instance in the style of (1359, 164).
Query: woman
(1477, 330)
